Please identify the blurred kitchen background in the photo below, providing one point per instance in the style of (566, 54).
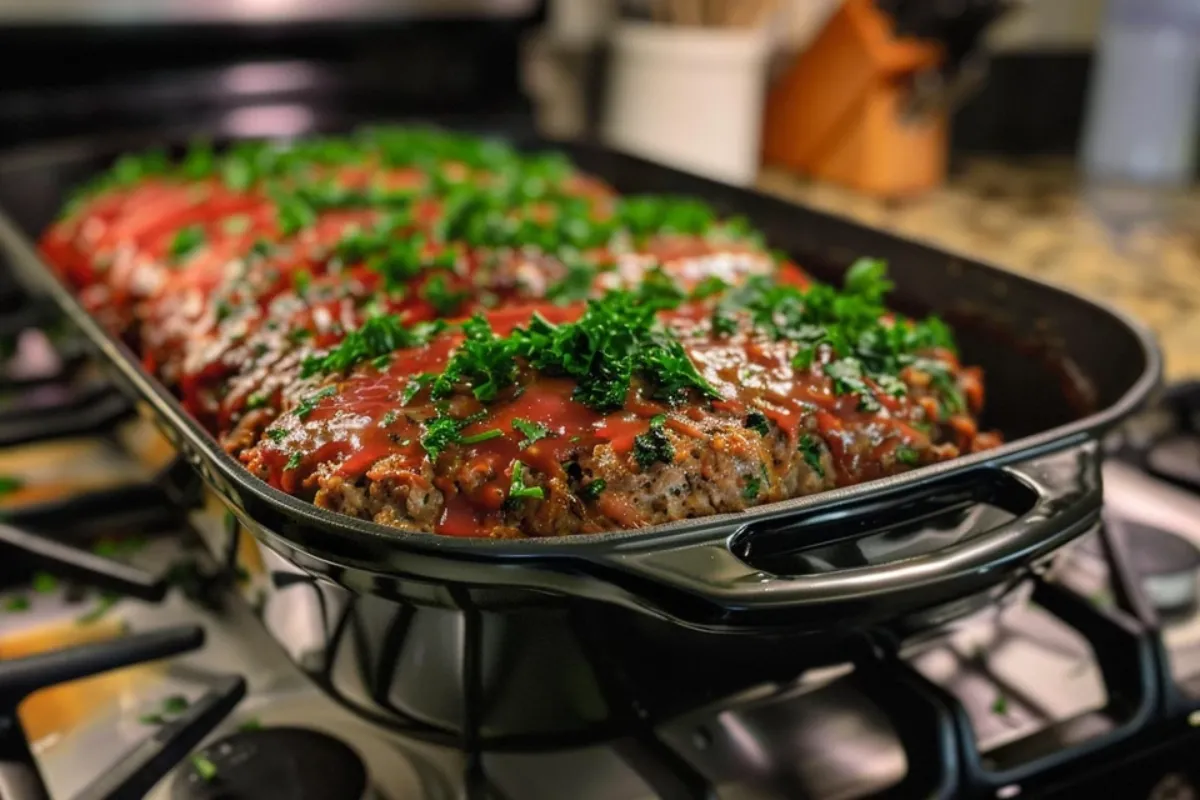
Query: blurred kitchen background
(1055, 137)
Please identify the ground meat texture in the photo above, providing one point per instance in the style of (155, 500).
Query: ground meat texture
(777, 431)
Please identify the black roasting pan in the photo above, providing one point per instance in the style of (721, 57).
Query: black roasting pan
(1060, 370)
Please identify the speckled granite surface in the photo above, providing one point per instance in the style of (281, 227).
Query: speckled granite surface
(1140, 250)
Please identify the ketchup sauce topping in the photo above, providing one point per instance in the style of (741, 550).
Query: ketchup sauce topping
(289, 295)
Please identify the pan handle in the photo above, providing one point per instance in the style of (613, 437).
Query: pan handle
(715, 581)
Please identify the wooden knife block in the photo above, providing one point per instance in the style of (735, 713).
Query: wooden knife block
(838, 112)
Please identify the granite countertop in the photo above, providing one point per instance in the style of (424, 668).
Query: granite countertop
(1140, 250)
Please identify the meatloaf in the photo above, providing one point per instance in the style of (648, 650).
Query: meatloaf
(441, 333)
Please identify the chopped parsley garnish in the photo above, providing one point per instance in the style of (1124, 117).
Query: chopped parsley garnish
(811, 447)
(236, 225)
(292, 213)
(256, 400)
(440, 433)
(575, 286)
(379, 335)
(293, 461)
(722, 324)
(907, 455)
(301, 280)
(309, 403)
(752, 488)
(483, 436)
(185, 241)
(709, 287)
(237, 174)
(532, 431)
(860, 346)
(413, 387)
(653, 446)
(517, 489)
(1000, 705)
(276, 434)
(617, 337)
(10, 484)
(298, 335)
(389, 418)
(757, 421)
(592, 490)
(444, 300)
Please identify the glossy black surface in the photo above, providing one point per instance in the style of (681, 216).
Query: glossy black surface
(1060, 370)
(274, 764)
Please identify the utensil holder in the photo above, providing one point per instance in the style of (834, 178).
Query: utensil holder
(689, 97)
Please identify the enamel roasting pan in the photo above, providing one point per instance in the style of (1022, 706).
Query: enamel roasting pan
(1060, 370)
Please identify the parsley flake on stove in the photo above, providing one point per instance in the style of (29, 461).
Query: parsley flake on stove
(757, 421)
(44, 582)
(532, 431)
(205, 768)
(653, 446)
(811, 447)
(185, 241)
(309, 403)
(16, 603)
(517, 489)
(175, 704)
(103, 606)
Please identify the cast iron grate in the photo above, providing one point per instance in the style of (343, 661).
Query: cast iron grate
(56, 536)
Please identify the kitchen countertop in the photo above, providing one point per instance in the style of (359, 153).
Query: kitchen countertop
(1138, 249)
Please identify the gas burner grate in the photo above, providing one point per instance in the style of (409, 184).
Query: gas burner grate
(135, 774)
